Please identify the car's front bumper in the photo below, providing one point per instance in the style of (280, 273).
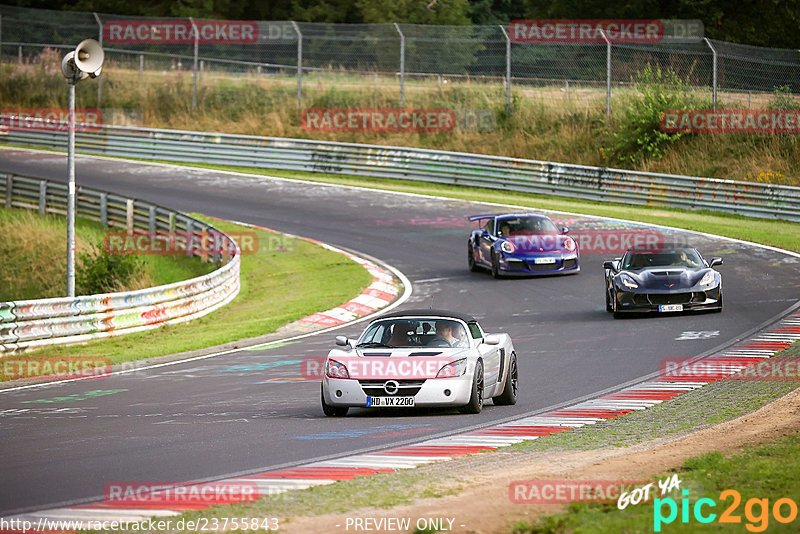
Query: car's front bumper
(651, 301)
(433, 392)
(510, 264)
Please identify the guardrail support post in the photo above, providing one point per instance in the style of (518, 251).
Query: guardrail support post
(129, 215)
(100, 76)
(713, 72)
(189, 237)
(9, 187)
(402, 64)
(508, 70)
(299, 63)
(194, 64)
(141, 65)
(104, 209)
(151, 221)
(43, 197)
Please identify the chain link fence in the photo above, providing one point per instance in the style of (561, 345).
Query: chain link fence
(408, 57)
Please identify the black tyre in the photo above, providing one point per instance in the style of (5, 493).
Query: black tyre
(617, 314)
(475, 404)
(719, 309)
(509, 395)
(332, 411)
(471, 259)
(495, 266)
(609, 307)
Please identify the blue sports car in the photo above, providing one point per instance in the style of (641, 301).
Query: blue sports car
(521, 244)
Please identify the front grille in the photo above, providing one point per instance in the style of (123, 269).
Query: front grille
(670, 298)
(406, 388)
(543, 266)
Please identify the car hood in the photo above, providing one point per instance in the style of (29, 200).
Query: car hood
(399, 364)
(668, 278)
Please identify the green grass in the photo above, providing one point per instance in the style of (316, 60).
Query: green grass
(37, 244)
(768, 471)
(543, 125)
(277, 287)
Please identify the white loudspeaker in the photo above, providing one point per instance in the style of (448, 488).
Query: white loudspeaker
(85, 61)
(89, 57)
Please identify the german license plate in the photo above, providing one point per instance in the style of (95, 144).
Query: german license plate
(671, 308)
(381, 402)
(543, 261)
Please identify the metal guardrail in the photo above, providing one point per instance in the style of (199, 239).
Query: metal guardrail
(32, 324)
(455, 168)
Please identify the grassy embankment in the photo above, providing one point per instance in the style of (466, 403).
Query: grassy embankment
(276, 286)
(34, 249)
(544, 125)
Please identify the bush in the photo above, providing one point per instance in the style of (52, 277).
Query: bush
(782, 98)
(638, 135)
(100, 272)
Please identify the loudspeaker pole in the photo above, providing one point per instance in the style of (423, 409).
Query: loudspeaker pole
(71, 193)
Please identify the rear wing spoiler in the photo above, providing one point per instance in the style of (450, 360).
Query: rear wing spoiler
(480, 217)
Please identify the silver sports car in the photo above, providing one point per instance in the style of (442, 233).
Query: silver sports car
(428, 358)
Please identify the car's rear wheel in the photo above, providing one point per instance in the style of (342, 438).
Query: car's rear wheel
(332, 411)
(475, 404)
(471, 258)
(509, 395)
(495, 265)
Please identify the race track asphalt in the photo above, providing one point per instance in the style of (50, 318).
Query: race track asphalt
(232, 413)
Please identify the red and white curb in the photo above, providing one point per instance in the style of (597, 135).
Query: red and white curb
(633, 398)
(382, 291)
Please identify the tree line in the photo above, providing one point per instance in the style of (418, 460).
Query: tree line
(772, 23)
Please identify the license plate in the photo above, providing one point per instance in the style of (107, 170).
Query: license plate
(541, 261)
(375, 402)
(671, 308)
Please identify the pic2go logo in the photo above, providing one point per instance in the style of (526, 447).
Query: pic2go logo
(756, 511)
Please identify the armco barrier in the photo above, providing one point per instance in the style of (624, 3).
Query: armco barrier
(32, 324)
(514, 174)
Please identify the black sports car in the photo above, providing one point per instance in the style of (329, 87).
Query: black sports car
(670, 279)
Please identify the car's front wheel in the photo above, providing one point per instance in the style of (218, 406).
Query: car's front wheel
(509, 395)
(609, 307)
(471, 258)
(331, 411)
(495, 265)
(475, 404)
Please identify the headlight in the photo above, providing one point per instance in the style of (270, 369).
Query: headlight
(334, 369)
(708, 279)
(569, 244)
(507, 247)
(628, 281)
(456, 368)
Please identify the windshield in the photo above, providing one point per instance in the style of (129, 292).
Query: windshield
(416, 332)
(525, 226)
(682, 257)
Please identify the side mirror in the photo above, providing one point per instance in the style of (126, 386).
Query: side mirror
(564, 230)
(610, 265)
(715, 261)
(492, 339)
(342, 341)
(485, 233)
